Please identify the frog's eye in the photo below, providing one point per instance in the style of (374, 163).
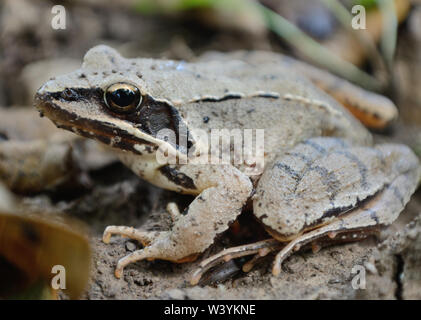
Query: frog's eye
(122, 97)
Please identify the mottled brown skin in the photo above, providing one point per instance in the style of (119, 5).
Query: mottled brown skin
(373, 110)
(327, 188)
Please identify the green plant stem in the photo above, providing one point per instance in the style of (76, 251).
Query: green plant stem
(390, 31)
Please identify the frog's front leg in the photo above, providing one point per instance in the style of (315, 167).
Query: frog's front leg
(222, 192)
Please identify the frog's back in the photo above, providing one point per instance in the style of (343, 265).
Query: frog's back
(179, 82)
(266, 96)
(245, 94)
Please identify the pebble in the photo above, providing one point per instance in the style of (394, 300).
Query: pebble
(130, 246)
(176, 294)
(371, 268)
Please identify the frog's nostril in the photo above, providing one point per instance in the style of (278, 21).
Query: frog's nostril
(69, 94)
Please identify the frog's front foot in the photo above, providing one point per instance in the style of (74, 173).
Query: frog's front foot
(155, 251)
(157, 245)
(222, 193)
(146, 238)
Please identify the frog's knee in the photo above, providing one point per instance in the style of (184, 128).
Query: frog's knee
(399, 158)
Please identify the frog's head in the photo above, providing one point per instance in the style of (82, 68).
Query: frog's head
(107, 100)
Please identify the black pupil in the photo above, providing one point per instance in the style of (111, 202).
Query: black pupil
(123, 97)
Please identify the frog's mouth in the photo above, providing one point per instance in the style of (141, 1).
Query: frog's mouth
(84, 119)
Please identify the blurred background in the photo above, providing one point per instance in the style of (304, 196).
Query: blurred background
(52, 171)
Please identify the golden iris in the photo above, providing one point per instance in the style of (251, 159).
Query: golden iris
(122, 97)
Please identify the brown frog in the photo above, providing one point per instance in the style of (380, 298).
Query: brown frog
(314, 177)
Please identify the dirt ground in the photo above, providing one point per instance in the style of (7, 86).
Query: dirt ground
(31, 52)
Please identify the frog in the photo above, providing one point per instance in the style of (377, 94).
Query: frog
(318, 179)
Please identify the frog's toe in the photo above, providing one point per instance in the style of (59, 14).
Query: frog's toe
(283, 254)
(144, 237)
(249, 265)
(135, 256)
(173, 210)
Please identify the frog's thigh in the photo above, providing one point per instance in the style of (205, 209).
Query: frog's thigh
(223, 192)
(356, 225)
(323, 179)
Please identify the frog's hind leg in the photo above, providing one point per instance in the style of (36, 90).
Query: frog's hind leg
(326, 189)
(376, 212)
(319, 237)
(373, 110)
(257, 257)
(260, 249)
